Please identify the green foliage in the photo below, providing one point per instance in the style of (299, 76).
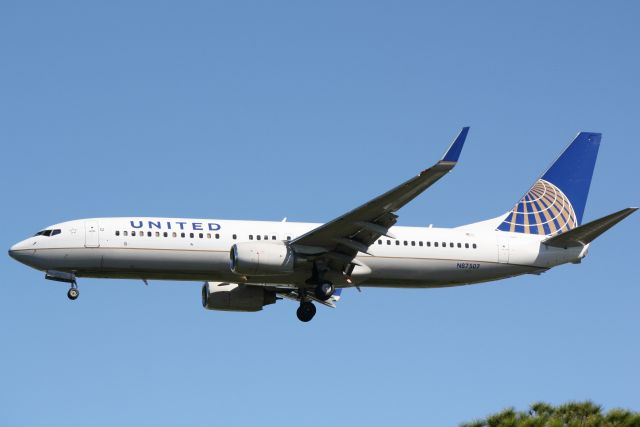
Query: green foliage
(572, 414)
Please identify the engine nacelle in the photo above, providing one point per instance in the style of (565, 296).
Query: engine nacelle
(261, 259)
(235, 297)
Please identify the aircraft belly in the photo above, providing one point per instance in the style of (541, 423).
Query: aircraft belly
(422, 272)
(155, 263)
(165, 260)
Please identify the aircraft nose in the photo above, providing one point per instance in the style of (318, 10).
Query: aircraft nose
(18, 251)
(13, 251)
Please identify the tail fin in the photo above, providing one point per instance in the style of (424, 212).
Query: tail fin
(556, 201)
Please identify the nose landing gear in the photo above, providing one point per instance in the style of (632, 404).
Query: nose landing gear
(64, 277)
(73, 292)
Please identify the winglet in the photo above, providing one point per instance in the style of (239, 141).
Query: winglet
(453, 153)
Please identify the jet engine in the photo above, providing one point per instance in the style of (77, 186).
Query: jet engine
(261, 259)
(235, 297)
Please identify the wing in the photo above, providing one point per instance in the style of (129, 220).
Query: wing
(339, 241)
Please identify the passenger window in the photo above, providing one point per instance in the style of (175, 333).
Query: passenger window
(420, 243)
(191, 235)
(273, 237)
(125, 233)
(117, 233)
(250, 236)
(435, 244)
(165, 234)
(406, 243)
(157, 234)
(266, 237)
(201, 235)
(474, 246)
(208, 235)
(217, 236)
(429, 244)
(235, 236)
(379, 242)
(258, 237)
(182, 235)
(133, 233)
(459, 245)
(288, 237)
(148, 234)
(174, 234)
(444, 244)
(388, 242)
(397, 242)
(413, 243)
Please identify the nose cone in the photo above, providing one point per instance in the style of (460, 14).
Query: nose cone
(20, 252)
(13, 251)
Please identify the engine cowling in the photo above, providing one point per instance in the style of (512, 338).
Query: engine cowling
(235, 297)
(261, 259)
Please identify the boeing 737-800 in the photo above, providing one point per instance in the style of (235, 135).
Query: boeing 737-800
(247, 265)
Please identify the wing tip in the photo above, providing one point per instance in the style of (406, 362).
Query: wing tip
(453, 153)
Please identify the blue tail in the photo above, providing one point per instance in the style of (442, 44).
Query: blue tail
(556, 201)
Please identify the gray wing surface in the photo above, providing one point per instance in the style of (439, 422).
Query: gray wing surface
(339, 240)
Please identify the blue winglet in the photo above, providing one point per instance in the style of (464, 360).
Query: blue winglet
(453, 153)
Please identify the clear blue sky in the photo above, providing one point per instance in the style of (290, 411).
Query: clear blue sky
(261, 110)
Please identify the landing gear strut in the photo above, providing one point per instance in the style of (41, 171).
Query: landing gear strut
(73, 292)
(306, 311)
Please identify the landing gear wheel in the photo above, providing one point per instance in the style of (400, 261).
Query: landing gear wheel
(73, 294)
(306, 311)
(324, 291)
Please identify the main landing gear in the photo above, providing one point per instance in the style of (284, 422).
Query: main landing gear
(324, 291)
(73, 292)
(306, 311)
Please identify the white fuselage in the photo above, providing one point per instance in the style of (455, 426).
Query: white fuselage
(194, 249)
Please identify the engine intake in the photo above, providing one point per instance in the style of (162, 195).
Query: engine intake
(261, 259)
(235, 297)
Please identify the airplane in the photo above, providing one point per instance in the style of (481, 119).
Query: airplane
(246, 265)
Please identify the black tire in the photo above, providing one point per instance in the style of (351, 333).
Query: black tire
(324, 291)
(73, 294)
(306, 311)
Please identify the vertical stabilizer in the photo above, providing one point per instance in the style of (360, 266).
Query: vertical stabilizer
(555, 203)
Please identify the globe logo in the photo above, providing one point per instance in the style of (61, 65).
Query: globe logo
(545, 209)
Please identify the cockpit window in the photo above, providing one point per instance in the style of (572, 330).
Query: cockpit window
(48, 233)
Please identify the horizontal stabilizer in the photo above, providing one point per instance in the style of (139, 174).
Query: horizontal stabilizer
(585, 234)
